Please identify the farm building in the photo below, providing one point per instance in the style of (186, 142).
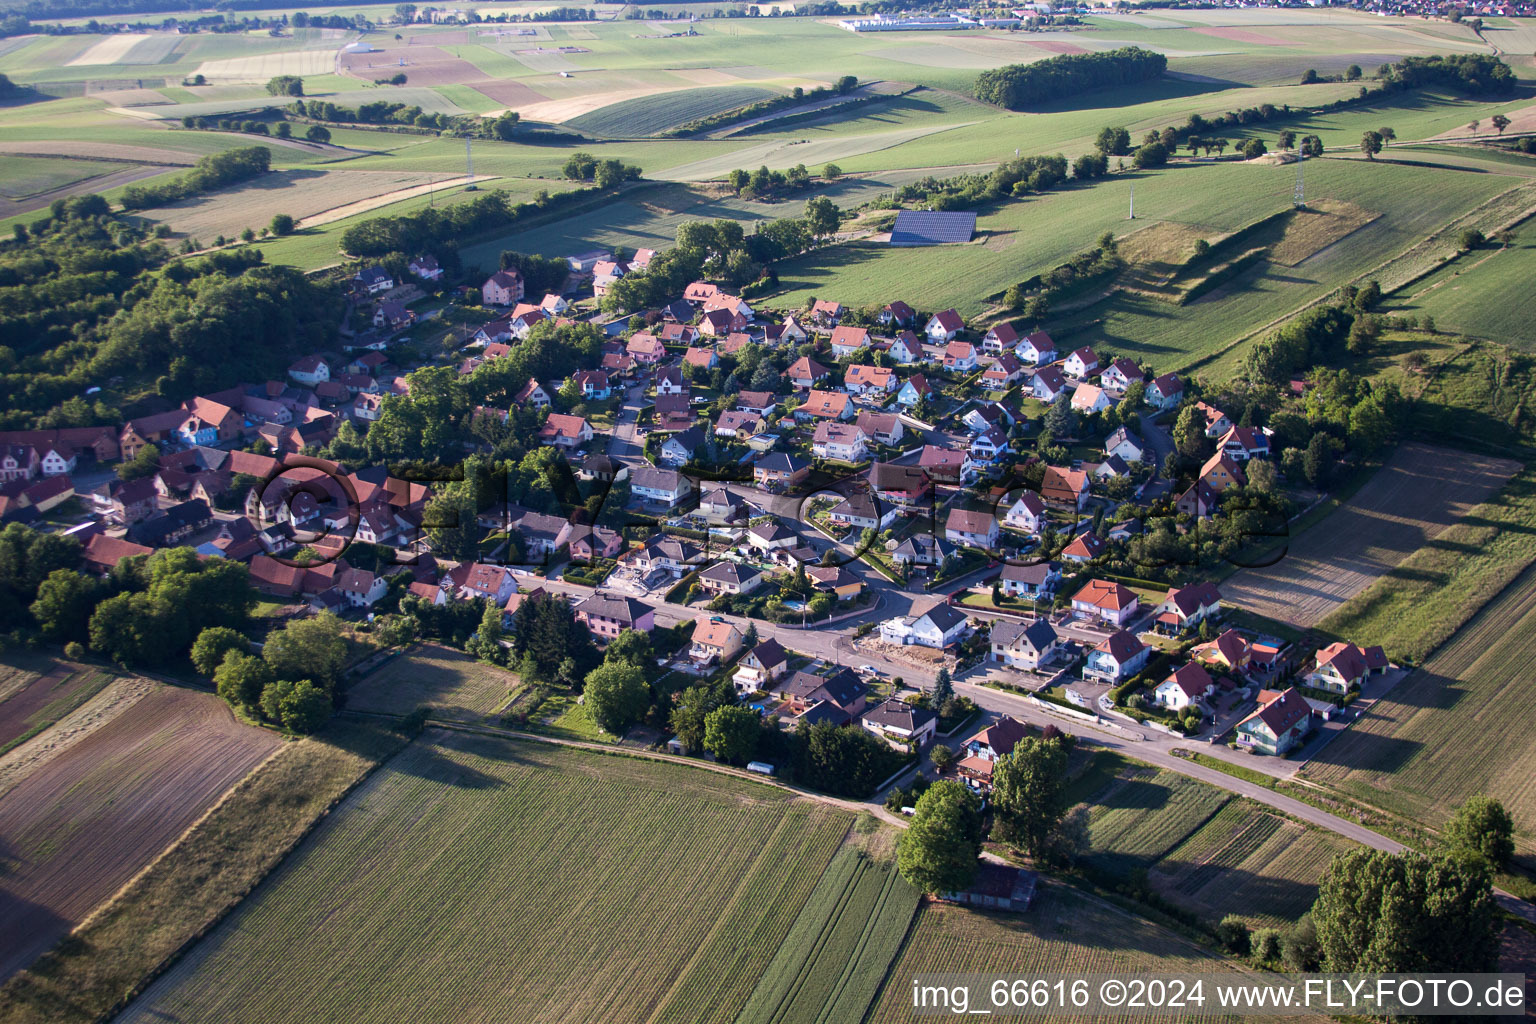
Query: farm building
(997, 887)
(928, 227)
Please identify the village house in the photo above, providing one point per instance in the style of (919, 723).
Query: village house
(678, 334)
(904, 487)
(1279, 725)
(1120, 374)
(762, 403)
(532, 394)
(361, 588)
(715, 641)
(1106, 601)
(827, 312)
(1341, 667)
(841, 441)
(897, 314)
(374, 280)
(1064, 488)
(1243, 443)
(847, 341)
(806, 372)
(1023, 645)
(664, 487)
(1048, 384)
(1081, 364)
(1034, 581)
(608, 615)
(899, 723)
(1165, 391)
(772, 536)
(1089, 399)
(972, 529)
(914, 391)
(564, 431)
(1002, 373)
(881, 427)
(999, 339)
(670, 381)
(860, 512)
(738, 423)
(671, 555)
(778, 471)
(1220, 472)
(679, 448)
(947, 466)
(835, 580)
(1036, 349)
(477, 580)
(593, 384)
(542, 535)
(1217, 423)
(942, 327)
(310, 370)
(905, 348)
(837, 698)
(503, 288)
(588, 543)
(717, 323)
(1116, 658)
(699, 359)
(869, 380)
(760, 667)
(645, 348)
(921, 549)
(1085, 547)
(790, 332)
(987, 746)
(1125, 445)
(941, 626)
(1187, 607)
(426, 268)
(1187, 686)
(960, 357)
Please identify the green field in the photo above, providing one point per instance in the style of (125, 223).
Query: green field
(1198, 846)
(504, 880)
(21, 177)
(1479, 294)
(835, 958)
(652, 115)
(453, 684)
(1458, 726)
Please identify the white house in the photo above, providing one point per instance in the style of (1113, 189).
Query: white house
(842, 441)
(1165, 392)
(1037, 580)
(900, 722)
(1089, 399)
(939, 627)
(1120, 374)
(1107, 601)
(1124, 444)
(1048, 384)
(1036, 349)
(1027, 513)
(1081, 363)
(973, 529)
(944, 326)
(1185, 687)
(1116, 658)
(906, 348)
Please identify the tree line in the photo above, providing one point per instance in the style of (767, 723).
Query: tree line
(1016, 86)
(86, 295)
(216, 170)
(842, 87)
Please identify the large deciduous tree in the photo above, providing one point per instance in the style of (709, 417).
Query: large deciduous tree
(616, 696)
(1406, 913)
(938, 853)
(1029, 792)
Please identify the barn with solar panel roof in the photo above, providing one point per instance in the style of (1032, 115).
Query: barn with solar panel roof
(929, 227)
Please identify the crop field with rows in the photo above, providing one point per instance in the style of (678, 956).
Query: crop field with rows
(1460, 725)
(498, 880)
(832, 963)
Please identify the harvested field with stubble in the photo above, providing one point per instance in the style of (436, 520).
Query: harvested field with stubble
(82, 824)
(1317, 226)
(37, 692)
(451, 856)
(1420, 492)
(453, 684)
(1460, 725)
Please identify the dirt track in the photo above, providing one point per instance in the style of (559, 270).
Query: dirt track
(78, 827)
(1417, 494)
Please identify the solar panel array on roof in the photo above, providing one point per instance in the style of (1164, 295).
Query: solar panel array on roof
(924, 227)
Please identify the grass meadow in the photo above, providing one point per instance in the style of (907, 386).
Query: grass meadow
(448, 855)
(453, 684)
(1480, 294)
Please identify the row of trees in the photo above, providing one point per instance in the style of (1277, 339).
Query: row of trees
(216, 170)
(606, 173)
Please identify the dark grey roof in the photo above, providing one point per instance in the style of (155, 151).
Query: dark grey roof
(945, 616)
(927, 227)
(899, 714)
(1036, 636)
(841, 688)
(623, 609)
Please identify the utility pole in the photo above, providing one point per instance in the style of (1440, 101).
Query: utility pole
(469, 167)
(1133, 202)
(1300, 199)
